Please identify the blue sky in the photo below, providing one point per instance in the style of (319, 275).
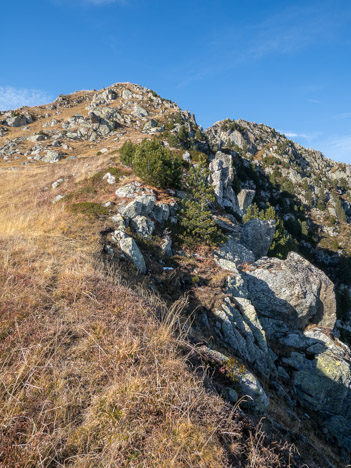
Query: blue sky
(283, 63)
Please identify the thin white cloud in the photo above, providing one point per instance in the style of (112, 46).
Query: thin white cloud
(314, 101)
(336, 147)
(12, 98)
(345, 115)
(289, 134)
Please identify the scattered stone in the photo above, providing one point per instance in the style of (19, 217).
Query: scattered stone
(57, 198)
(57, 183)
(143, 225)
(110, 179)
(52, 156)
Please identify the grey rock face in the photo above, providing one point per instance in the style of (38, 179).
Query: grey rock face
(143, 226)
(231, 253)
(269, 307)
(149, 125)
(251, 387)
(257, 236)
(104, 98)
(142, 205)
(127, 94)
(245, 382)
(57, 198)
(147, 203)
(323, 383)
(242, 330)
(38, 137)
(119, 221)
(18, 120)
(245, 198)
(160, 212)
(110, 179)
(292, 291)
(57, 183)
(139, 111)
(52, 156)
(129, 247)
(222, 175)
(186, 157)
(131, 210)
(130, 190)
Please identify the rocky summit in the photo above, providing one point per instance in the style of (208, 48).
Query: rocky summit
(169, 286)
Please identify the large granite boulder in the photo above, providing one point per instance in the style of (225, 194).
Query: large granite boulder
(222, 175)
(239, 326)
(129, 247)
(245, 198)
(322, 378)
(232, 253)
(257, 236)
(141, 205)
(292, 291)
(18, 120)
(52, 156)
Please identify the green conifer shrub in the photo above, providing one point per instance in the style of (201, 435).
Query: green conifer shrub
(154, 164)
(196, 220)
(127, 153)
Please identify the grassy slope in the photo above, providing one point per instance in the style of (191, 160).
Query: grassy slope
(89, 375)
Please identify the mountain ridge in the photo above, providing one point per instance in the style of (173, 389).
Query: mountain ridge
(239, 291)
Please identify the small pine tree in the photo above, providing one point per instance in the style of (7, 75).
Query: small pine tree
(308, 195)
(127, 153)
(321, 204)
(155, 164)
(340, 213)
(304, 228)
(196, 219)
(198, 134)
(183, 136)
(282, 242)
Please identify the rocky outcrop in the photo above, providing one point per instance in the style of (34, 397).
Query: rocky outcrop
(264, 321)
(322, 378)
(141, 205)
(231, 254)
(143, 226)
(245, 198)
(14, 119)
(292, 291)
(244, 383)
(222, 175)
(52, 156)
(257, 236)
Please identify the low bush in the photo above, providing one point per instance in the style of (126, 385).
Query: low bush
(152, 162)
(127, 153)
(93, 210)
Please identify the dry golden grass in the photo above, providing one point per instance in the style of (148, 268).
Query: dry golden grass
(91, 376)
